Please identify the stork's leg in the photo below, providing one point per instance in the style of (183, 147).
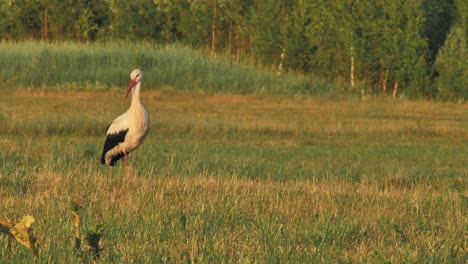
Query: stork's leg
(126, 163)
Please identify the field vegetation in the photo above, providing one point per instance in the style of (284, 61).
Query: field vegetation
(100, 66)
(238, 178)
(280, 131)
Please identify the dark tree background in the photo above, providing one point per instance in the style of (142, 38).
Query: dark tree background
(411, 47)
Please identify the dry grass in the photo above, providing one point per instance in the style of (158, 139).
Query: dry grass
(375, 117)
(237, 215)
(228, 178)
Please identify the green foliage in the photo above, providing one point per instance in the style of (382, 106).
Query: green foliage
(128, 25)
(378, 44)
(298, 45)
(93, 239)
(451, 65)
(409, 49)
(93, 243)
(452, 68)
(269, 22)
(439, 16)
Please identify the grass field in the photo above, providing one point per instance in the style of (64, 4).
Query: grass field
(239, 178)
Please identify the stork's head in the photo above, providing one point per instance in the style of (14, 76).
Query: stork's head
(135, 77)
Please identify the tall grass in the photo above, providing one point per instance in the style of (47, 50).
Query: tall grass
(101, 65)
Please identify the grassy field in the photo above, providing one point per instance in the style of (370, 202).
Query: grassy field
(239, 178)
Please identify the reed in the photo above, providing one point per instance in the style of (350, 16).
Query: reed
(100, 66)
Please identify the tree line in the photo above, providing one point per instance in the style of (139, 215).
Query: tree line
(400, 47)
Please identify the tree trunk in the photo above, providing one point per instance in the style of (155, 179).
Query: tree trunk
(280, 66)
(213, 30)
(45, 30)
(351, 77)
(384, 82)
(230, 49)
(395, 90)
(383, 79)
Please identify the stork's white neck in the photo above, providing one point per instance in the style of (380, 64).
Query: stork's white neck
(136, 95)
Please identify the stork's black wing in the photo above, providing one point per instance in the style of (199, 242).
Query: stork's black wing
(112, 140)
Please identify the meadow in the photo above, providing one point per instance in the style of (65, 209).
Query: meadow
(235, 177)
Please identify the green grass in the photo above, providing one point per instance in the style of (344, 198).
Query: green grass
(100, 66)
(239, 178)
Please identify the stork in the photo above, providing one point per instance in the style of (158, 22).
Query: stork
(128, 130)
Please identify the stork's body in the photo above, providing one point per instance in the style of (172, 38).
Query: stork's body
(129, 130)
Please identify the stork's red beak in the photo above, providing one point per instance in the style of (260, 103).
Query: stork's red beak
(130, 86)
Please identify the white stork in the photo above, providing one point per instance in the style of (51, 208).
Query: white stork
(128, 130)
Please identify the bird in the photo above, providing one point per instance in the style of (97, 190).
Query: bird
(129, 130)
